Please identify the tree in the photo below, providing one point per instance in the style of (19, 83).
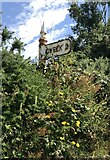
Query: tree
(6, 35)
(21, 84)
(17, 44)
(90, 28)
(87, 16)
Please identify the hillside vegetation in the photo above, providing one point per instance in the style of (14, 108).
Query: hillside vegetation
(64, 113)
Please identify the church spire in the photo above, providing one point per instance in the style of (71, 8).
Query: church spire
(42, 32)
(42, 40)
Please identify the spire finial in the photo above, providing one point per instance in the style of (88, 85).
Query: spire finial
(42, 28)
(42, 40)
(42, 32)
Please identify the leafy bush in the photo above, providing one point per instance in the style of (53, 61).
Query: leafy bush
(63, 113)
(21, 84)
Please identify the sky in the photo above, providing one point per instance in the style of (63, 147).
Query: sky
(26, 18)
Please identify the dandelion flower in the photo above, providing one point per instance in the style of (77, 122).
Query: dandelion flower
(50, 104)
(47, 116)
(75, 117)
(73, 110)
(62, 138)
(64, 123)
(61, 93)
(73, 142)
(77, 145)
(77, 123)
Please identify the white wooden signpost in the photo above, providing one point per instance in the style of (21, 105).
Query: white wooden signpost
(51, 50)
(59, 48)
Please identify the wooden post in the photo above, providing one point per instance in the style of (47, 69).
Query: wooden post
(42, 48)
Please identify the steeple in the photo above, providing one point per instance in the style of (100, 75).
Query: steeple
(42, 48)
(42, 29)
(42, 40)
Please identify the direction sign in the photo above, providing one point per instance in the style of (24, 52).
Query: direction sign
(58, 48)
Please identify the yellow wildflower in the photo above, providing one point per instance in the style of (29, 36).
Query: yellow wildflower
(47, 116)
(61, 93)
(64, 123)
(75, 132)
(73, 110)
(75, 117)
(62, 110)
(50, 103)
(77, 145)
(77, 123)
(73, 142)
(67, 123)
(62, 138)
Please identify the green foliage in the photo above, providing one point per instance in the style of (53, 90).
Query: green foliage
(86, 15)
(21, 84)
(17, 44)
(92, 29)
(60, 122)
(63, 113)
(6, 35)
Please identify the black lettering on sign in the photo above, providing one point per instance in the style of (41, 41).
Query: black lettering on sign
(61, 47)
(57, 48)
(66, 46)
(50, 50)
(54, 49)
(47, 51)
